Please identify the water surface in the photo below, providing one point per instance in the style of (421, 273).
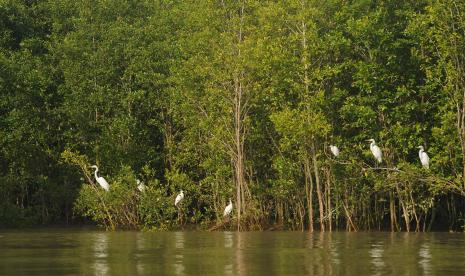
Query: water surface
(84, 252)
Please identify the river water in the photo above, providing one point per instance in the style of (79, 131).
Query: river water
(90, 252)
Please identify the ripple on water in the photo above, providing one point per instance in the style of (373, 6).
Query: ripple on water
(230, 253)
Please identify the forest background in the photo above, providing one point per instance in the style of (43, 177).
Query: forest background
(233, 99)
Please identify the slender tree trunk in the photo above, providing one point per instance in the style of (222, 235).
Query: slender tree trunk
(392, 212)
(239, 131)
(349, 223)
(309, 192)
(301, 210)
(239, 152)
(404, 209)
(318, 189)
(305, 65)
(414, 210)
(328, 196)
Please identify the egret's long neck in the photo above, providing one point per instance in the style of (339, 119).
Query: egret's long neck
(372, 144)
(95, 173)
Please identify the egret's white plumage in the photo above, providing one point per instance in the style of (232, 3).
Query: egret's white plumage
(179, 198)
(140, 186)
(334, 150)
(424, 158)
(100, 180)
(375, 150)
(228, 209)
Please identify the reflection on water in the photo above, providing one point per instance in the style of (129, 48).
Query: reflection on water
(77, 252)
(241, 243)
(101, 254)
(228, 239)
(140, 247)
(376, 253)
(334, 255)
(425, 259)
(179, 257)
(228, 243)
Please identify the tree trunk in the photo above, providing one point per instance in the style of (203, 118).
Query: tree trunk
(318, 189)
(349, 223)
(404, 209)
(239, 154)
(309, 192)
(392, 212)
(328, 200)
(239, 131)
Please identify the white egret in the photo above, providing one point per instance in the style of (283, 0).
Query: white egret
(228, 209)
(179, 198)
(100, 180)
(334, 150)
(140, 186)
(375, 150)
(424, 158)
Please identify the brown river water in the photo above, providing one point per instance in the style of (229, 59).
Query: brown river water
(91, 252)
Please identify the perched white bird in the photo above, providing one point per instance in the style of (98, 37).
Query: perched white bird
(228, 209)
(424, 158)
(179, 198)
(375, 150)
(140, 186)
(100, 180)
(334, 150)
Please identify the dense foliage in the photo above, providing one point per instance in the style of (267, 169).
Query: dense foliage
(233, 99)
